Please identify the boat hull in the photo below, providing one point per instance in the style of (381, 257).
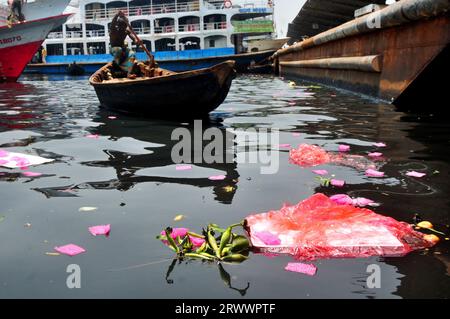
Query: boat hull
(403, 57)
(188, 94)
(243, 61)
(19, 43)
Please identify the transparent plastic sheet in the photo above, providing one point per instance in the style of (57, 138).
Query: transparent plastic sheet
(320, 228)
(307, 155)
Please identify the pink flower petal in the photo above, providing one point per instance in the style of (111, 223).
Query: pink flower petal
(375, 154)
(3, 153)
(415, 174)
(320, 172)
(373, 173)
(344, 148)
(307, 269)
(100, 230)
(362, 202)
(112, 117)
(70, 250)
(94, 136)
(31, 174)
(3, 162)
(291, 103)
(295, 134)
(337, 183)
(379, 144)
(342, 199)
(217, 178)
(177, 232)
(268, 238)
(284, 145)
(183, 167)
(197, 242)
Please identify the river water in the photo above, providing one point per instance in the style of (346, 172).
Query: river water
(125, 170)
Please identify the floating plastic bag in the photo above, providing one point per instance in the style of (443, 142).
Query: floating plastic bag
(18, 160)
(307, 155)
(320, 228)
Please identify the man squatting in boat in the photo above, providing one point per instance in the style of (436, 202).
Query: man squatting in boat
(124, 61)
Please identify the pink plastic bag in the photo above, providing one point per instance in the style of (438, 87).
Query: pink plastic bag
(320, 228)
(307, 155)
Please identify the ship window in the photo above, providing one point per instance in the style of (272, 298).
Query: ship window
(55, 49)
(212, 43)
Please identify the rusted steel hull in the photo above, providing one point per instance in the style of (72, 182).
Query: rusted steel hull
(382, 62)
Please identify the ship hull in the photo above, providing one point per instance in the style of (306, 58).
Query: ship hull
(19, 44)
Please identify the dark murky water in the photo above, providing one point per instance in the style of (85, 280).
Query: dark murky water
(128, 174)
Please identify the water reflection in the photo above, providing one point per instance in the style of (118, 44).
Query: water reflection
(132, 157)
(224, 275)
(157, 165)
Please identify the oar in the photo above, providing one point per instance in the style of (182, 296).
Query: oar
(151, 57)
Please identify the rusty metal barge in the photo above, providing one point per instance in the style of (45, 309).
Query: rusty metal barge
(398, 52)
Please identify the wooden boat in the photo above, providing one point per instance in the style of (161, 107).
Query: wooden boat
(75, 70)
(169, 94)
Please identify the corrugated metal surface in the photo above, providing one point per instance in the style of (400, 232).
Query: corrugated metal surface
(317, 16)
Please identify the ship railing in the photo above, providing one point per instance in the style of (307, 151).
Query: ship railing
(55, 35)
(143, 30)
(215, 26)
(220, 4)
(189, 27)
(95, 33)
(74, 34)
(165, 29)
(99, 14)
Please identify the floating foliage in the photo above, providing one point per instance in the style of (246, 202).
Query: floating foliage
(214, 244)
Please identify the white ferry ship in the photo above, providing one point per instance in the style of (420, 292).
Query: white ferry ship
(172, 29)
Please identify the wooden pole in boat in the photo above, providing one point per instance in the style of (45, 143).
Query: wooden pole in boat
(136, 38)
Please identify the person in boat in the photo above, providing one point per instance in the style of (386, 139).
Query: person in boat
(124, 60)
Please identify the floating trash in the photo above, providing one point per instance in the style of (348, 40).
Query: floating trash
(100, 230)
(179, 218)
(31, 174)
(319, 228)
(87, 209)
(23, 161)
(70, 250)
(344, 148)
(217, 178)
(183, 167)
(307, 269)
(415, 174)
(343, 199)
(337, 182)
(379, 144)
(375, 154)
(307, 155)
(374, 173)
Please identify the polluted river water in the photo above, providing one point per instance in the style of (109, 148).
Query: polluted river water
(118, 169)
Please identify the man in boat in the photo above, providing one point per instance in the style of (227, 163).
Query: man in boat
(124, 60)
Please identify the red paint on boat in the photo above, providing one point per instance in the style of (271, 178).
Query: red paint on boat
(13, 60)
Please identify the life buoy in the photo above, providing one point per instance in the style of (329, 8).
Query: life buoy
(227, 4)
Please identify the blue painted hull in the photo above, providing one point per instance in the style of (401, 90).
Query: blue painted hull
(243, 61)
